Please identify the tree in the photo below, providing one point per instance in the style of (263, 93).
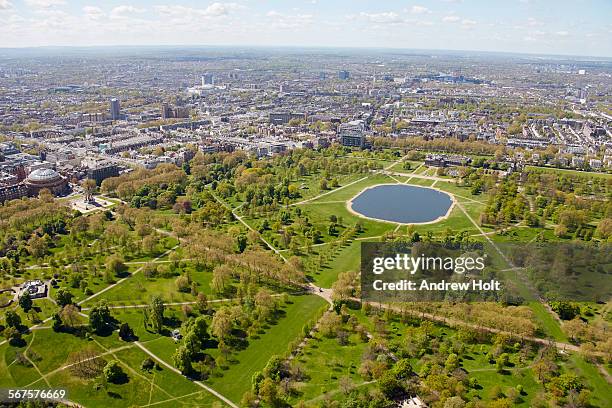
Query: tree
(70, 315)
(99, 316)
(12, 335)
(156, 313)
(114, 264)
(89, 188)
(63, 297)
(113, 373)
(12, 319)
(274, 368)
(565, 310)
(25, 301)
(402, 369)
(200, 328)
(604, 228)
(147, 364)
(125, 332)
(241, 243)
(202, 302)
(57, 322)
(221, 276)
(452, 362)
(182, 283)
(454, 402)
(390, 386)
(182, 360)
(37, 246)
(221, 323)
(268, 391)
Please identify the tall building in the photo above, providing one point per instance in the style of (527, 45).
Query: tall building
(352, 134)
(208, 79)
(165, 111)
(173, 112)
(343, 74)
(115, 109)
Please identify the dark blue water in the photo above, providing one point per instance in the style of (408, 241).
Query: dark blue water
(402, 203)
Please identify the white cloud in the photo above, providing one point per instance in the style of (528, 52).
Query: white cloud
(467, 23)
(283, 21)
(126, 9)
(44, 4)
(93, 12)
(451, 19)
(5, 4)
(213, 10)
(419, 10)
(382, 18)
(533, 22)
(562, 33)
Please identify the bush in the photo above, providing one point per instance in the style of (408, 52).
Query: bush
(182, 284)
(113, 373)
(147, 364)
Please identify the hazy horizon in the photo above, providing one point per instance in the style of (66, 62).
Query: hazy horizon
(540, 27)
(305, 49)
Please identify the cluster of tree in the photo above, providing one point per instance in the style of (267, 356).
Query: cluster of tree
(157, 188)
(195, 337)
(437, 145)
(225, 331)
(518, 320)
(27, 226)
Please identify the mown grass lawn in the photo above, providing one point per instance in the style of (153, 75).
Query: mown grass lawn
(325, 362)
(347, 259)
(236, 380)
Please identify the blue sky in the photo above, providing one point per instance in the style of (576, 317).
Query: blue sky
(578, 27)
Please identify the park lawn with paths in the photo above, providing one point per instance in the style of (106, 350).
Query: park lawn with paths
(236, 380)
(345, 259)
(600, 388)
(349, 192)
(167, 380)
(421, 182)
(399, 167)
(51, 347)
(319, 214)
(313, 184)
(324, 363)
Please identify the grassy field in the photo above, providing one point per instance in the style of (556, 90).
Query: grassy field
(346, 259)
(325, 362)
(236, 380)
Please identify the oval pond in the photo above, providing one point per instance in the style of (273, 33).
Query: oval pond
(402, 203)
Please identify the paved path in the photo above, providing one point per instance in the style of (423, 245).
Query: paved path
(454, 322)
(330, 191)
(171, 368)
(109, 287)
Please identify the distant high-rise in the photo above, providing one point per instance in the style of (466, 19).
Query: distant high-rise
(115, 109)
(208, 79)
(343, 75)
(165, 111)
(352, 134)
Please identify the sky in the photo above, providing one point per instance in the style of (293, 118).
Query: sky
(576, 27)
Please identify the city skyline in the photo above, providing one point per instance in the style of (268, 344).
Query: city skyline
(519, 26)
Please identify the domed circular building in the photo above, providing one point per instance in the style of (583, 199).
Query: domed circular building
(46, 178)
